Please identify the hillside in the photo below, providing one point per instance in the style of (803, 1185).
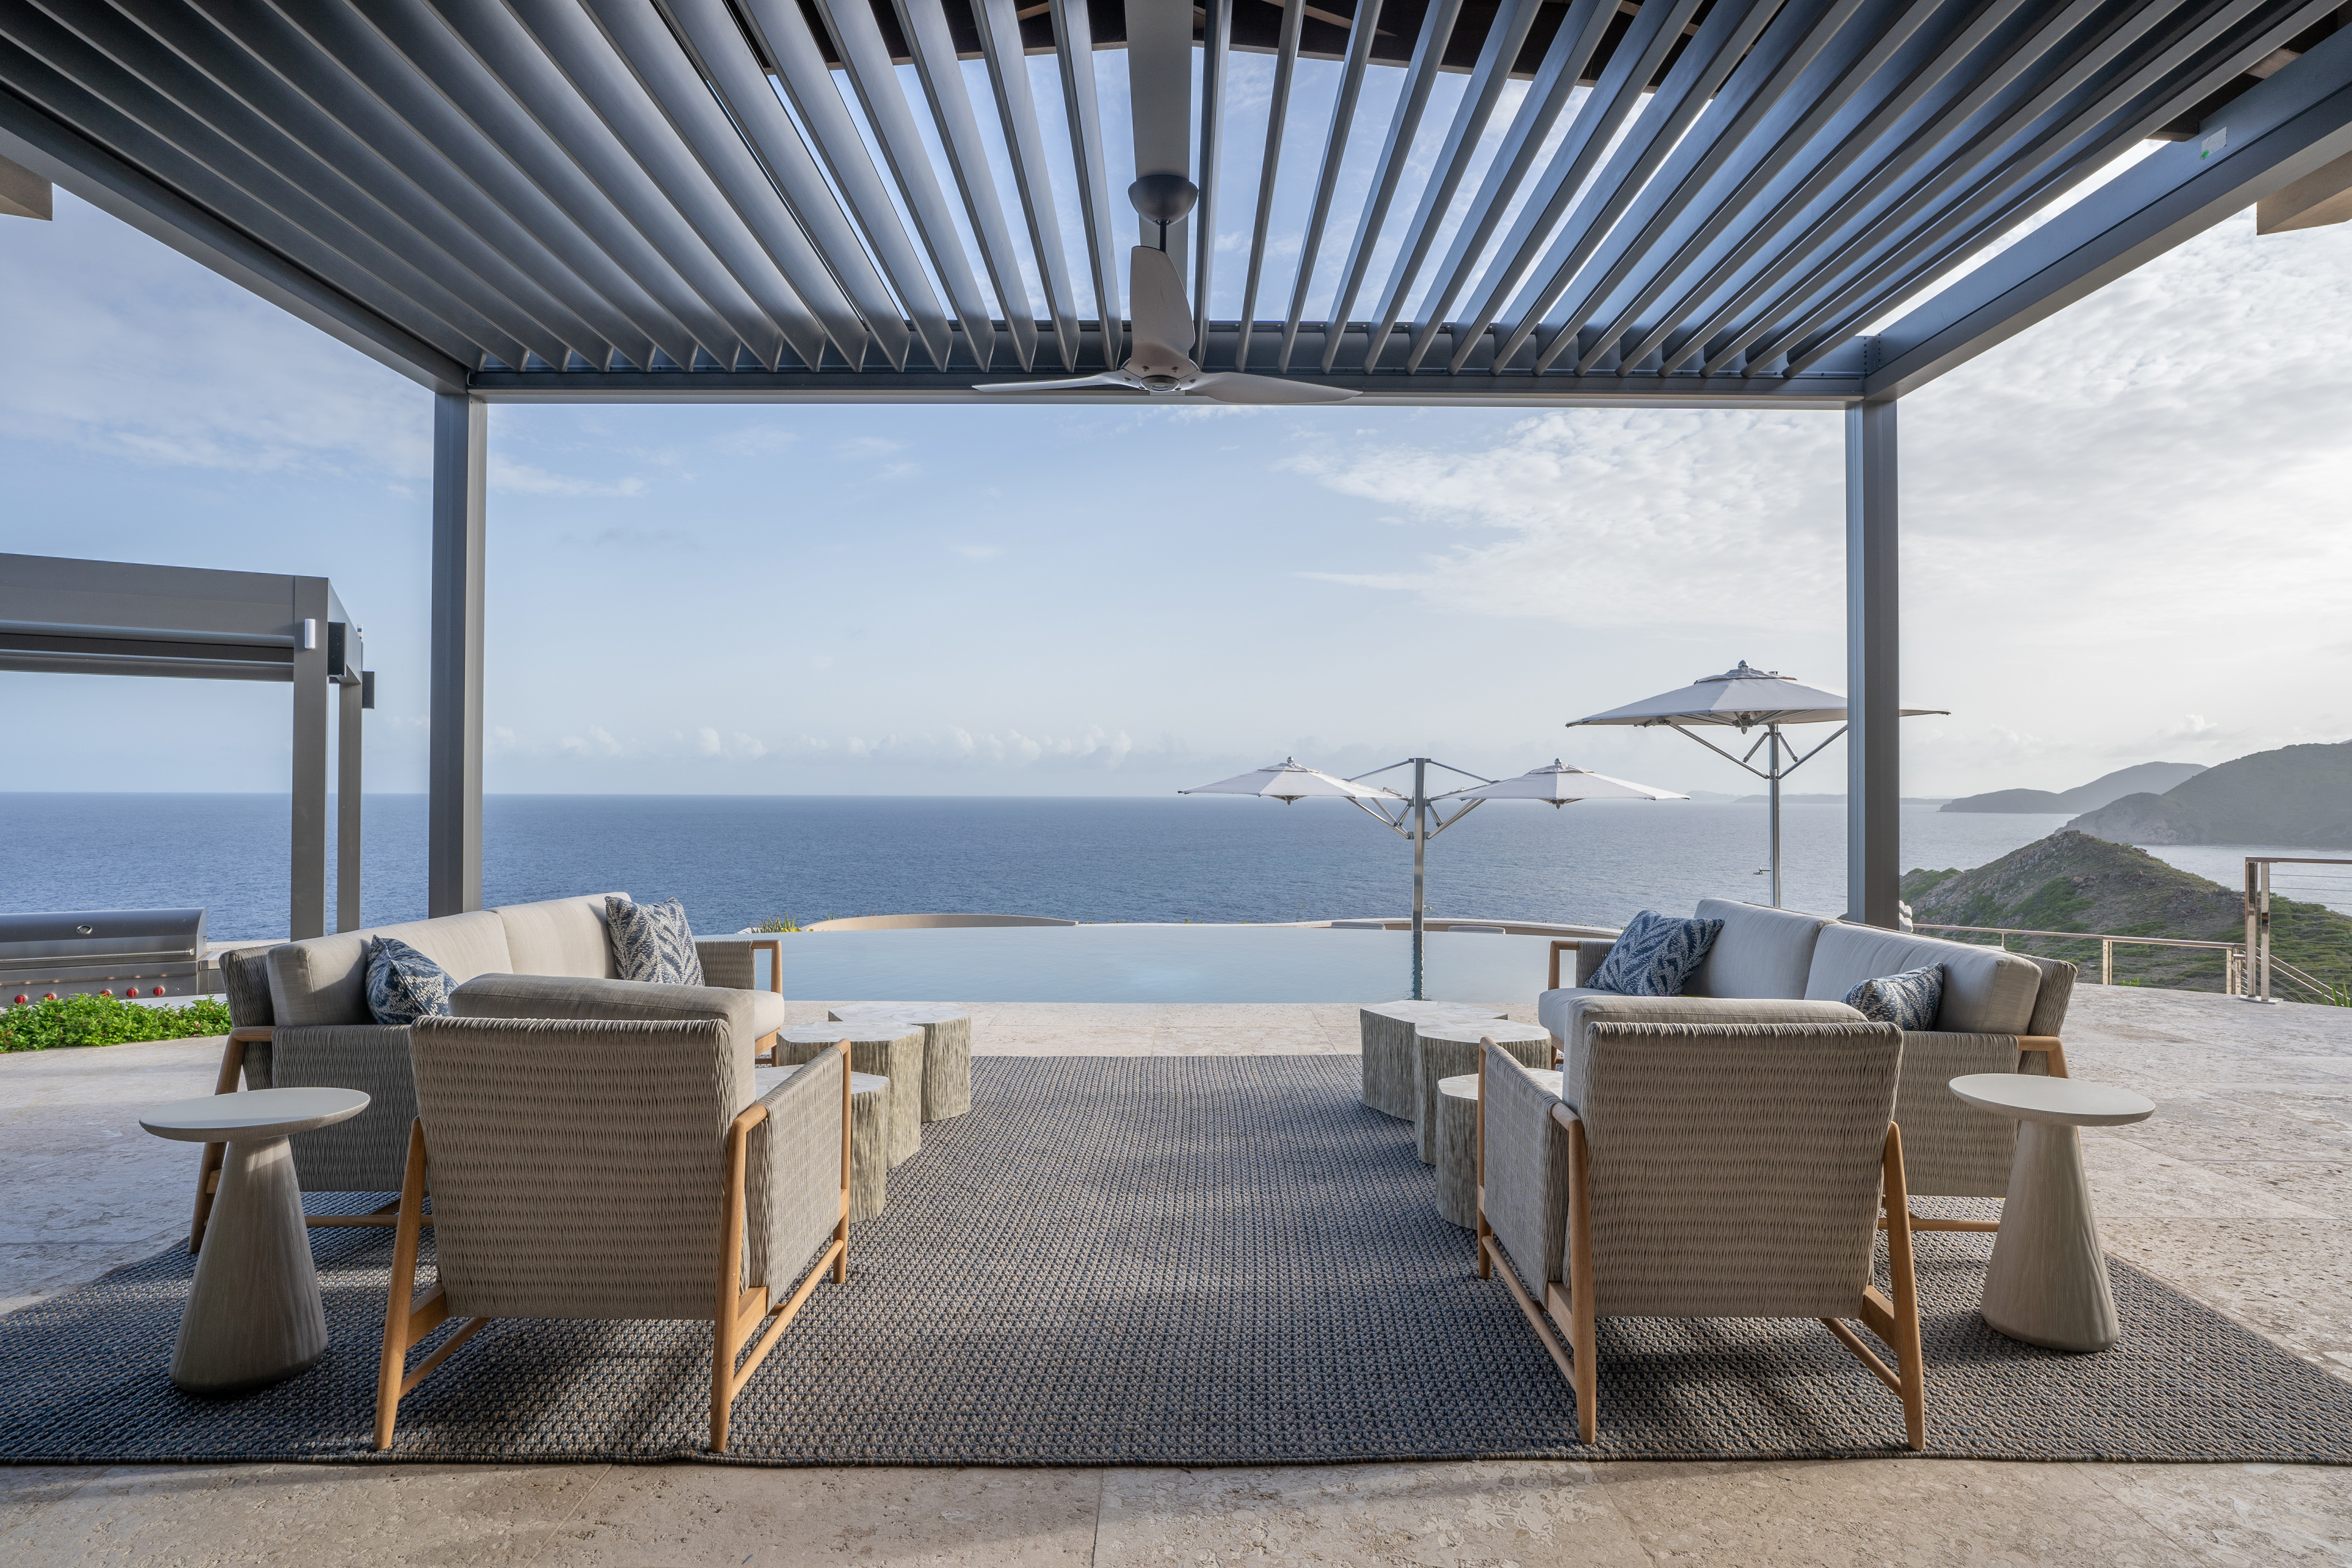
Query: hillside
(2145, 778)
(2295, 797)
(2073, 881)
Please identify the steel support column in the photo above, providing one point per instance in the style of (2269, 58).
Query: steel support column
(347, 807)
(454, 834)
(1874, 758)
(306, 905)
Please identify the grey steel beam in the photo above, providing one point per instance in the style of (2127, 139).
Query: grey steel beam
(1286, 62)
(1615, 98)
(1073, 44)
(1564, 62)
(712, 182)
(1024, 143)
(307, 891)
(1498, 53)
(866, 60)
(1216, 55)
(1722, 41)
(1874, 829)
(1160, 104)
(69, 157)
(453, 762)
(1412, 102)
(782, 30)
(2295, 121)
(347, 805)
(925, 25)
(1334, 150)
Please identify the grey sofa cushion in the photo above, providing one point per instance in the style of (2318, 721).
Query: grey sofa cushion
(559, 937)
(1762, 952)
(1986, 990)
(1592, 1007)
(324, 979)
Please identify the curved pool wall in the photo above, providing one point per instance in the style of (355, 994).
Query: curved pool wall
(1123, 963)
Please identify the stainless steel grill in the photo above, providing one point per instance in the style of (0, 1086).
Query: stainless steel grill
(126, 952)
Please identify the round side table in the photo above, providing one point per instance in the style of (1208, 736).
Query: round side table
(2047, 1284)
(252, 1316)
(947, 1049)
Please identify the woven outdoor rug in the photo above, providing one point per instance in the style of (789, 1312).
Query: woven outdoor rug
(1185, 1261)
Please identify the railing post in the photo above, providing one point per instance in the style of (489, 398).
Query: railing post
(2106, 963)
(2263, 923)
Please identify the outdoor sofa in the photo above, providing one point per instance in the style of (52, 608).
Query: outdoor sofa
(301, 1019)
(2001, 1012)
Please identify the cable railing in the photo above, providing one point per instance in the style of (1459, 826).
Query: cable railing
(2234, 955)
(2264, 963)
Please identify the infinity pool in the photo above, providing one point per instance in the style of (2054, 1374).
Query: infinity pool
(1158, 964)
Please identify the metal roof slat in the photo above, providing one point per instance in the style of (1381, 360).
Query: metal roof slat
(1025, 142)
(648, 135)
(1073, 44)
(1572, 49)
(748, 107)
(865, 59)
(234, 61)
(1615, 98)
(2000, 215)
(1413, 101)
(784, 32)
(1703, 69)
(1335, 150)
(1942, 63)
(1916, 154)
(1868, 247)
(1286, 62)
(1488, 75)
(439, 88)
(259, 199)
(925, 25)
(1216, 56)
(1651, 274)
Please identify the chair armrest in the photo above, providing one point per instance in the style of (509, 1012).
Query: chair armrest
(239, 1053)
(2049, 1047)
(1589, 952)
(727, 962)
(792, 1173)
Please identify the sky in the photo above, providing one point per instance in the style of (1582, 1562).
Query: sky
(2124, 539)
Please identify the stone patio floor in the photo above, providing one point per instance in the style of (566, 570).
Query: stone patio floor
(2238, 1192)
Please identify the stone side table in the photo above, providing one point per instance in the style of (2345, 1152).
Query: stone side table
(253, 1317)
(891, 1049)
(1443, 1050)
(2047, 1284)
(869, 1144)
(1389, 1087)
(1457, 1146)
(947, 1051)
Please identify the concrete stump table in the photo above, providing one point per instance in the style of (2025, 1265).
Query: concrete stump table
(1446, 1049)
(1389, 1086)
(947, 1051)
(891, 1049)
(252, 1316)
(1457, 1146)
(2047, 1284)
(869, 1144)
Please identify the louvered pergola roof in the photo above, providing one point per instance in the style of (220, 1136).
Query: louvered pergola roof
(770, 198)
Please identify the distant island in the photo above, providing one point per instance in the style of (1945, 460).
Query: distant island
(2073, 881)
(2147, 778)
(1831, 800)
(2298, 797)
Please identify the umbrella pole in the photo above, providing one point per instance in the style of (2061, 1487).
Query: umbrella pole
(1772, 736)
(1420, 843)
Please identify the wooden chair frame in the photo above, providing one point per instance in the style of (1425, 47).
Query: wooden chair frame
(736, 1314)
(1895, 1322)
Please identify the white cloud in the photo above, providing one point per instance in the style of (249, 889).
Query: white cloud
(709, 742)
(865, 448)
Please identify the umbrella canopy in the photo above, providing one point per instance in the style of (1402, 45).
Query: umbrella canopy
(1740, 697)
(1559, 784)
(1286, 782)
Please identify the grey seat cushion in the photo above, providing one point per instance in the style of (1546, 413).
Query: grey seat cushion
(1762, 952)
(575, 996)
(1986, 990)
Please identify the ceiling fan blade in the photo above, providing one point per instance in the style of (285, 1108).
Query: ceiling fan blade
(1101, 379)
(1233, 386)
(1163, 320)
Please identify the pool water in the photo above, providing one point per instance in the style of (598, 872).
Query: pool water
(1140, 963)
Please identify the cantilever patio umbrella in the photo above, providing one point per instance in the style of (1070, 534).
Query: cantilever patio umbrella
(1741, 698)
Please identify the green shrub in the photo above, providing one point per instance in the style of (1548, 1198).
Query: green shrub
(782, 923)
(106, 1021)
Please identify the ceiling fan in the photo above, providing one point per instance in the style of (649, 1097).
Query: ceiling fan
(1163, 325)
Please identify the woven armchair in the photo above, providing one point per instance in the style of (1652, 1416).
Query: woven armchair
(1701, 1171)
(615, 1171)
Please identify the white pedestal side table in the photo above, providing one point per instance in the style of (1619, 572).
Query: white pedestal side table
(2047, 1284)
(252, 1316)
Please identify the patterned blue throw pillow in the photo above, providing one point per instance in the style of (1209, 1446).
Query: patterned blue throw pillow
(402, 984)
(1655, 955)
(653, 942)
(1907, 1000)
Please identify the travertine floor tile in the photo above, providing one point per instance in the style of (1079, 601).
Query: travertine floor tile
(2131, 1180)
(2290, 1279)
(2243, 1515)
